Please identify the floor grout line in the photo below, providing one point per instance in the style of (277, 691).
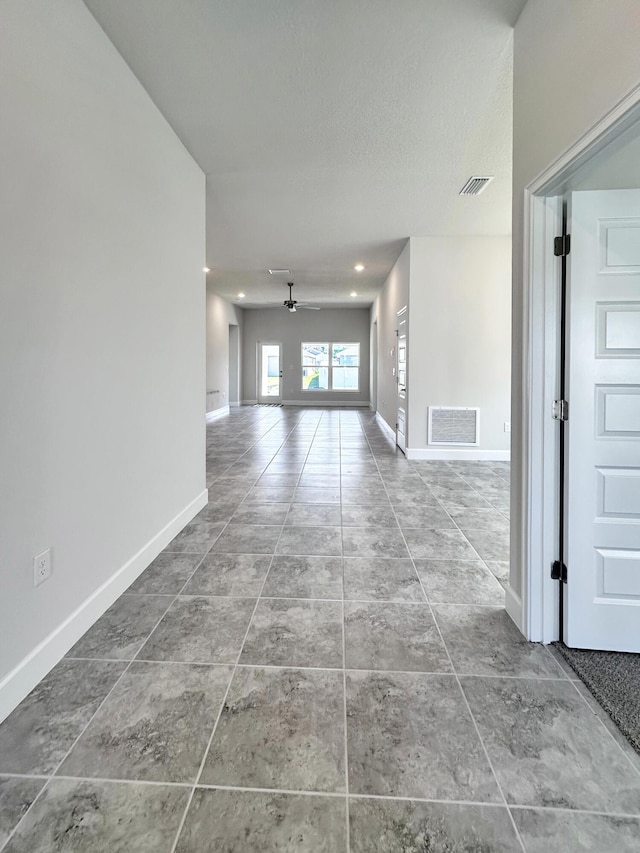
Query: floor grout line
(257, 665)
(249, 596)
(635, 764)
(473, 720)
(336, 795)
(153, 783)
(222, 705)
(84, 729)
(344, 682)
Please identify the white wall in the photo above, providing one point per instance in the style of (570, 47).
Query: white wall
(393, 296)
(573, 61)
(275, 325)
(220, 315)
(460, 337)
(101, 331)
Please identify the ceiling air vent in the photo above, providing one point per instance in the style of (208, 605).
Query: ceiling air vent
(453, 425)
(475, 185)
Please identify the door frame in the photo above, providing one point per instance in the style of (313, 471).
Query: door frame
(373, 377)
(234, 365)
(536, 613)
(268, 343)
(402, 401)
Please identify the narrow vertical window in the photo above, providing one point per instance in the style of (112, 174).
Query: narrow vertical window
(315, 367)
(345, 366)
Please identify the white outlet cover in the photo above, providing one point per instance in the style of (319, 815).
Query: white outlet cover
(42, 567)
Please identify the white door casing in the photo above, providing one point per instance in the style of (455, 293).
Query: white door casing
(532, 594)
(401, 380)
(603, 431)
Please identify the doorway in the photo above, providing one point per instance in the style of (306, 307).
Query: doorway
(234, 365)
(608, 579)
(269, 373)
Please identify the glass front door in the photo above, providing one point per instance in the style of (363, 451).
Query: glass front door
(270, 378)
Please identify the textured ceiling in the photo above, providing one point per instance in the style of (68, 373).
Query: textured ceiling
(330, 130)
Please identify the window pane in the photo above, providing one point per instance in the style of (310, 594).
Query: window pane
(315, 354)
(345, 378)
(273, 365)
(315, 378)
(345, 355)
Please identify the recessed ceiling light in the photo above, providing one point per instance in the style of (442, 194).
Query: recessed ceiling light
(241, 296)
(206, 269)
(353, 293)
(359, 267)
(279, 272)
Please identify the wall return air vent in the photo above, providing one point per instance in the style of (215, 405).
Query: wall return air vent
(475, 185)
(454, 426)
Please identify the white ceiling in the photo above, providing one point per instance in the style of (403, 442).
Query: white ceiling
(330, 130)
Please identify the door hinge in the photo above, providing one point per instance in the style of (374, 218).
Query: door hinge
(560, 410)
(562, 245)
(558, 571)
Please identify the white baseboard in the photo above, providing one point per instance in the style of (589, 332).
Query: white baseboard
(23, 678)
(217, 413)
(249, 403)
(513, 606)
(457, 454)
(385, 426)
(233, 405)
(327, 404)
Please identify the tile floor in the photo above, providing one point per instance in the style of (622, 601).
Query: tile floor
(320, 661)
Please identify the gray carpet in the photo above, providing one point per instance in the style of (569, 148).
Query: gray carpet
(614, 679)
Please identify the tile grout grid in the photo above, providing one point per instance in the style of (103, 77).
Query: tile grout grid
(433, 616)
(282, 465)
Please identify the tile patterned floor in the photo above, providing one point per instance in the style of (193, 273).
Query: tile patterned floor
(320, 661)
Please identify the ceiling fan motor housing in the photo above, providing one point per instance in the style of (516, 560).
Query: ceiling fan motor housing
(290, 303)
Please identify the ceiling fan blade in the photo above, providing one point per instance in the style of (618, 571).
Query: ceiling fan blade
(309, 308)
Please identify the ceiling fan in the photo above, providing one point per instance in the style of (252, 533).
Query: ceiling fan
(291, 305)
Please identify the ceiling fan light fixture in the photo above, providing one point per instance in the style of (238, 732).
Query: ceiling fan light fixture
(292, 304)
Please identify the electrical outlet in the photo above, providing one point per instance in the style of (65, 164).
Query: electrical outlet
(42, 567)
(507, 426)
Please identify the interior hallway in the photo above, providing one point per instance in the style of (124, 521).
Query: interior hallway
(320, 661)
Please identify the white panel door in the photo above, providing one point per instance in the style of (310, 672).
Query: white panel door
(603, 430)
